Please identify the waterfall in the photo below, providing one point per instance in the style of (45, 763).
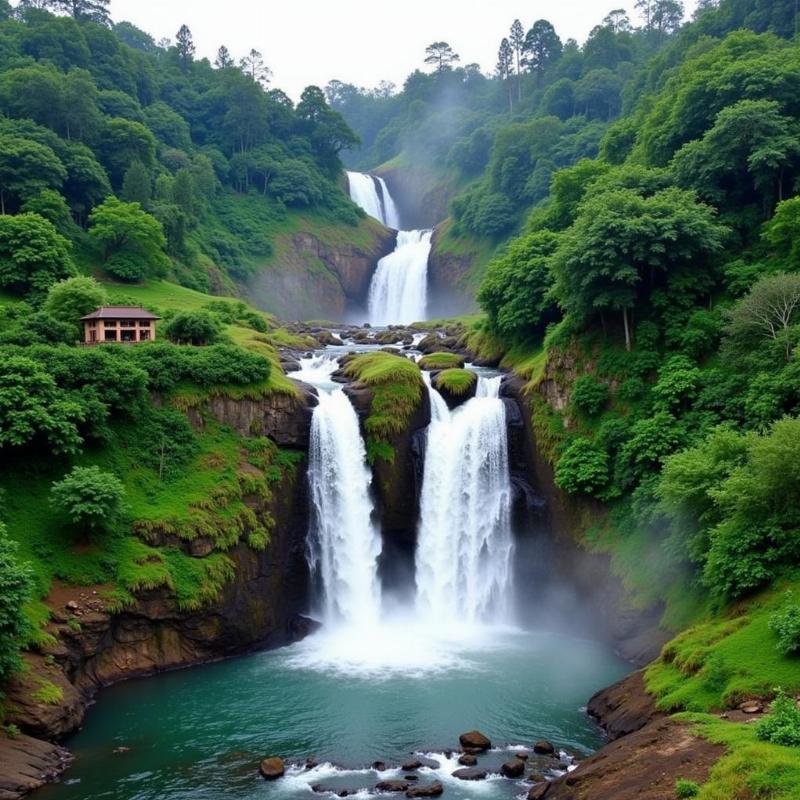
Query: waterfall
(464, 548)
(343, 542)
(399, 288)
(371, 193)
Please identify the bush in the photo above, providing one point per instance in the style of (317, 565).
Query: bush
(71, 299)
(193, 327)
(582, 468)
(782, 724)
(785, 624)
(89, 497)
(589, 395)
(16, 585)
(686, 788)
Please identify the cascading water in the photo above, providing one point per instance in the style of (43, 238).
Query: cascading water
(398, 293)
(464, 547)
(343, 542)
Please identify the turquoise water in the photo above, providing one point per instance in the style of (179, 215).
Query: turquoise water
(347, 698)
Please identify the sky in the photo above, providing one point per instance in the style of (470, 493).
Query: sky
(356, 41)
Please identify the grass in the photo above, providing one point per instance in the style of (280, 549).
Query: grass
(750, 768)
(457, 382)
(441, 361)
(396, 384)
(726, 658)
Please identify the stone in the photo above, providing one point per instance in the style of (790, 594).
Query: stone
(272, 768)
(513, 769)
(391, 786)
(474, 739)
(429, 790)
(411, 765)
(71, 605)
(470, 774)
(472, 751)
(467, 760)
(311, 762)
(521, 756)
(539, 791)
(379, 766)
(751, 707)
(544, 748)
(411, 777)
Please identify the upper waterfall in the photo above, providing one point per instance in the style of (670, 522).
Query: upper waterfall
(464, 548)
(371, 193)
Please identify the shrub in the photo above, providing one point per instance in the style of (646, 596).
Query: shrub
(16, 583)
(782, 724)
(582, 468)
(89, 497)
(70, 299)
(686, 788)
(785, 624)
(193, 327)
(589, 395)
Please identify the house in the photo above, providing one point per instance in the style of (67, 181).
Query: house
(125, 324)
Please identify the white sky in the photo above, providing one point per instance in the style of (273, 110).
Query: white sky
(357, 41)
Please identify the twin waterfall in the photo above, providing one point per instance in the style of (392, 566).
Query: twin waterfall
(398, 293)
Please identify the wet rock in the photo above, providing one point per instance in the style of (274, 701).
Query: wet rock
(513, 769)
(311, 762)
(411, 765)
(379, 766)
(539, 791)
(391, 786)
(521, 756)
(475, 740)
(471, 774)
(472, 751)
(411, 777)
(325, 337)
(544, 748)
(467, 760)
(429, 790)
(272, 768)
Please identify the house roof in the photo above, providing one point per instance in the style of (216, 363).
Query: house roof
(121, 312)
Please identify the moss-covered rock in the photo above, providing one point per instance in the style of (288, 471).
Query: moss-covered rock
(456, 385)
(442, 360)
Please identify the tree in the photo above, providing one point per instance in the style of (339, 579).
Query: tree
(84, 10)
(769, 311)
(26, 168)
(224, 59)
(33, 254)
(327, 129)
(33, 407)
(81, 114)
(442, 55)
(542, 47)
(137, 186)
(623, 245)
(52, 206)
(254, 67)
(505, 57)
(782, 232)
(89, 497)
(16, 588)
(184, 46)
(193, 327)
(70, 299)
(517, 41)
(132, 240)
(618, 21)
(666, 16)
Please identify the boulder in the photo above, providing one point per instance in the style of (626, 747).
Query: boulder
(513, 768)
(391, 786)
(430, 790)
(272, 768)
(411, 765)
(475, 740)
(539, 791)
(467, 760)
(544, 748)
(521, 756)
(379, 766)
(751, 707)
(471, 774)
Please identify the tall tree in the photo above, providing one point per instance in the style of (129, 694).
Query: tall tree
(185, 46)
(517, 41)
(505, 59)
(542, 47)
(617, 20)
(224, 58)
(442, 55)
(254, 67)
(83, 10)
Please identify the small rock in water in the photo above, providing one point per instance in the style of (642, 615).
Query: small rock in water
(272, 768)
(470, 774)
(410, 765)
(513, 769)
(467, 760)
(521, 756)
(311, 762)
(474, 740)
(431, 790)
(379, 766)
(391, 786)
(544, 748)
(539, 791)
(411, 777)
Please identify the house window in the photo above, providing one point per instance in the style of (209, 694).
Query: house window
(110, 324)
(144, 336)
(92, 336)
(111, 336)
(128, 336)
(144, 323)
(128, 323)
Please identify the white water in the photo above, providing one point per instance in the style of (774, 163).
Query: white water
(344, 544)
(464, 543)
(380, 205)
(398, 293)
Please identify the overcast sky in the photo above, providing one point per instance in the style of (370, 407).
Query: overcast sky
(357, 41)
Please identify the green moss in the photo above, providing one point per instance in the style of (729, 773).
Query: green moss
(719, 662)
(441, 361)
(396, 384)
(457, 382)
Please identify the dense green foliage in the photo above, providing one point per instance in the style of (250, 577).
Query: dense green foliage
(782, 724)
(89, 497)
(15, 589)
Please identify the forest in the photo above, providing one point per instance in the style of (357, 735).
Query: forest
(629, 212)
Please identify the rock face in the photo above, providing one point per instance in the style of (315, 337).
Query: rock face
(310, 278)
(27, 763)
(474, 739)
(623, 707)
(449, 291)
(272, 768)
